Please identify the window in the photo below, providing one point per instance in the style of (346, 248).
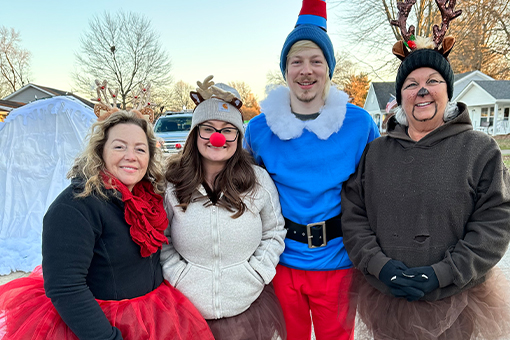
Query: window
(486, 117)
(173, 124)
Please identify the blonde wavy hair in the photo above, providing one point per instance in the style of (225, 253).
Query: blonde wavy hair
(90, 164)
(302, 45)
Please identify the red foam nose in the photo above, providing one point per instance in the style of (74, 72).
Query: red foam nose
(217, 139)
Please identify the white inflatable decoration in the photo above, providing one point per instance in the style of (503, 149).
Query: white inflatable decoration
(38, 144)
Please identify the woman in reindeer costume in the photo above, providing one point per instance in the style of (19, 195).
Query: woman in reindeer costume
(426, 215)
(226, 228)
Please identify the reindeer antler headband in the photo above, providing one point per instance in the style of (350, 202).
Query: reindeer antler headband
(419, 52)
(410, 42)
(141, 102)
(218, 102)
(206, 90)
(104, 108)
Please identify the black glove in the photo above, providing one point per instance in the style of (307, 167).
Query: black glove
(422, 278)
(390, 271)
(409, 293)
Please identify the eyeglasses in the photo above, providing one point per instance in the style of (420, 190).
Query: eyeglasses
(205, 131)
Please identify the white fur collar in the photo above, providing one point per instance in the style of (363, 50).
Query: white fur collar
(286, 126)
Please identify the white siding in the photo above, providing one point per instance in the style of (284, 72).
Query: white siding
(371, 104)
(476, 96)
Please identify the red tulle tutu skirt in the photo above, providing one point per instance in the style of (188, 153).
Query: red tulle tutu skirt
(481, 312)
(262, 321)
(165, 313)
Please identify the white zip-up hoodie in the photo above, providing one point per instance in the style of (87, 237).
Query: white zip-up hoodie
(220, 263)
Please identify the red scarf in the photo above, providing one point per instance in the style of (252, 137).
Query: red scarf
(144, 212)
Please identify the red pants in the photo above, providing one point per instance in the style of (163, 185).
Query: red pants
(325, 294)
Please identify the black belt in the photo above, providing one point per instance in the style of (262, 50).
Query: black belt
(314, 234)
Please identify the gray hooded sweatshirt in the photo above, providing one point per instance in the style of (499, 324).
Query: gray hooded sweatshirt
(443, 201)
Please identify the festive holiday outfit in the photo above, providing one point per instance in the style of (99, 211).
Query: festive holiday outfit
(102, 276)
(222, 264)
(444, 202)
(225, 265)
(309, 161)
(426, 221)
(308, 158)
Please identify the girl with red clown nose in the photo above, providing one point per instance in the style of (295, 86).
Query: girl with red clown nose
(225, 233)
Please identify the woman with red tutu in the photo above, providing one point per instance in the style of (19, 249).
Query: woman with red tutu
(101, 246)
(427, 213)
(226, 229)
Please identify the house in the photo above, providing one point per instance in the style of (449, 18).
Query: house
(378, 96)
(488, 101)
(31, 92)
(462, 80)
(7, 106)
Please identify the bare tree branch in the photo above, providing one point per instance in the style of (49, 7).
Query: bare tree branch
(178, 98)
(14, 62)
(481, 33)
(124, 49)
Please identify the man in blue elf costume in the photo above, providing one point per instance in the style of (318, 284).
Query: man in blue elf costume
(310, 140)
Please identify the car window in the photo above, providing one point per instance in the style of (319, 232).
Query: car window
(170, 124)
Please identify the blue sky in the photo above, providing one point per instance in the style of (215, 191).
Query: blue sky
(233, 40)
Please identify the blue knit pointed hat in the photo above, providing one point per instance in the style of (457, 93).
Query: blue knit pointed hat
(311, 25)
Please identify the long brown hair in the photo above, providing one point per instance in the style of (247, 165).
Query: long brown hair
(90, 163)
(186, 172)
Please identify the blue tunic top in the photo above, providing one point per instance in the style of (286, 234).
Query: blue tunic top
(309, 171)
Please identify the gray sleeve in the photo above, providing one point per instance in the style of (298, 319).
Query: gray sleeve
(359, 239)
(267, 254)
(487, 232)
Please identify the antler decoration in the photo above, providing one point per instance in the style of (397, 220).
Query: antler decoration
(222, 94)
(402, 48)
(103, 108)
(447, 15)
(114, 96)
(207, 90)
(404, 8)
(204, 89)
(141, 103)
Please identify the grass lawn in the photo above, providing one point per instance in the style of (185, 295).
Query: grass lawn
(506, 160)
(503, 141)
(504, 144)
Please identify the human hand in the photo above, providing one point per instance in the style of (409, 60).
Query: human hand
(390, 271)
(409, 293)
(421, 278)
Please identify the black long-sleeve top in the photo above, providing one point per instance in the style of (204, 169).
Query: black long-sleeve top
(88, 254)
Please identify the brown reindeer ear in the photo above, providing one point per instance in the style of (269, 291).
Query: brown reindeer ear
(196, 97)
(237, 103)
(400, 50)
(447, 46)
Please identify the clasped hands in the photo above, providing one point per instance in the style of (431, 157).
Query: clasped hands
(409, 283)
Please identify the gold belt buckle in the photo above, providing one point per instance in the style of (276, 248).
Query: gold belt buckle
(310, 236)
